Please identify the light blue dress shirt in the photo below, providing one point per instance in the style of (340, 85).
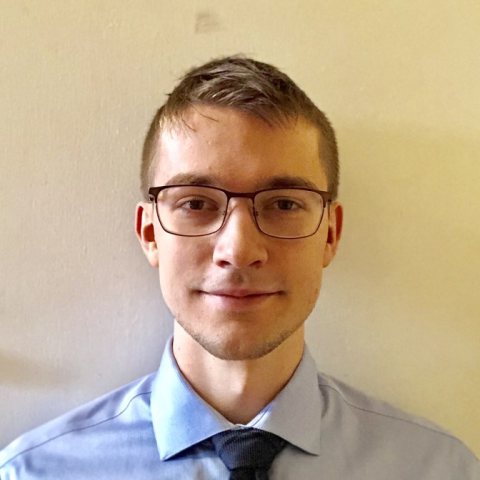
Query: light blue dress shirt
(158, 428)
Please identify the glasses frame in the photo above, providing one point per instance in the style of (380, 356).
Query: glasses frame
(154, 191)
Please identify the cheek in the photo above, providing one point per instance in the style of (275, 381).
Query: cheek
(308, 263)
(170, 263)
(180, 266)
(311, 284)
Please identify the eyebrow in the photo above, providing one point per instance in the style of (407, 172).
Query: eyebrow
(281, 181)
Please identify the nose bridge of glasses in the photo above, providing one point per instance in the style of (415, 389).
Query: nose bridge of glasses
(235, 201)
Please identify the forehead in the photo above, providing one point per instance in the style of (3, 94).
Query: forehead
(238, 151)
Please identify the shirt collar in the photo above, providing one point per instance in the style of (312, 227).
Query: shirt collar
(181, 418)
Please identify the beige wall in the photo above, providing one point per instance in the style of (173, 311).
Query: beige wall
(80, 80)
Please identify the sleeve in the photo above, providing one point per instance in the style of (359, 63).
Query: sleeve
(467, 466)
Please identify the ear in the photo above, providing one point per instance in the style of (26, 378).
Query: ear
(144, 228)
(335, 224)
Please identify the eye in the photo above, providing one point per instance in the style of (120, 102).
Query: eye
(286, 204)
(282, 205)
(195, 204)
(198, 204)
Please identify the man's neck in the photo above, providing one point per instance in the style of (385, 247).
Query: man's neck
(239, 389)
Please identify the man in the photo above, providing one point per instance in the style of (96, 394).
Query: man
(240, 180)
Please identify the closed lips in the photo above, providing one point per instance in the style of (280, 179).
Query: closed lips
(239, 293)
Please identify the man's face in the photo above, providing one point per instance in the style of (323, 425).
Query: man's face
(239, 153)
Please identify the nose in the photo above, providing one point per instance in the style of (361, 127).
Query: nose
(239, 244)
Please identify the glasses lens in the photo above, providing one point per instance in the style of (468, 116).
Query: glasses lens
(289, 213)
(191, 210)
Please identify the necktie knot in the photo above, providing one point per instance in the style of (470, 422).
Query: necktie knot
(247, 451)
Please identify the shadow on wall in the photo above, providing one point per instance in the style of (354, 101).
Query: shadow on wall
(19, 371)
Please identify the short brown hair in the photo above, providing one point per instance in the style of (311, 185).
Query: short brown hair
(252, 87)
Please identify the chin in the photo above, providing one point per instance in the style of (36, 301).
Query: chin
(235, 351)
(237, 346)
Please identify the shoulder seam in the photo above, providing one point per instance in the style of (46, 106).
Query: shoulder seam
(75, 430)
(397, 418)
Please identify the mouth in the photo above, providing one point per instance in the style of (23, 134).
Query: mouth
(231, 301)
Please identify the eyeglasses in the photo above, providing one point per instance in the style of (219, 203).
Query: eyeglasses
(195, 211)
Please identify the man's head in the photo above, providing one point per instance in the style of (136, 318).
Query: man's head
(209, 281)
(251, 87)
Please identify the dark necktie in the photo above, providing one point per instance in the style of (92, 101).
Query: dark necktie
(248, 453)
